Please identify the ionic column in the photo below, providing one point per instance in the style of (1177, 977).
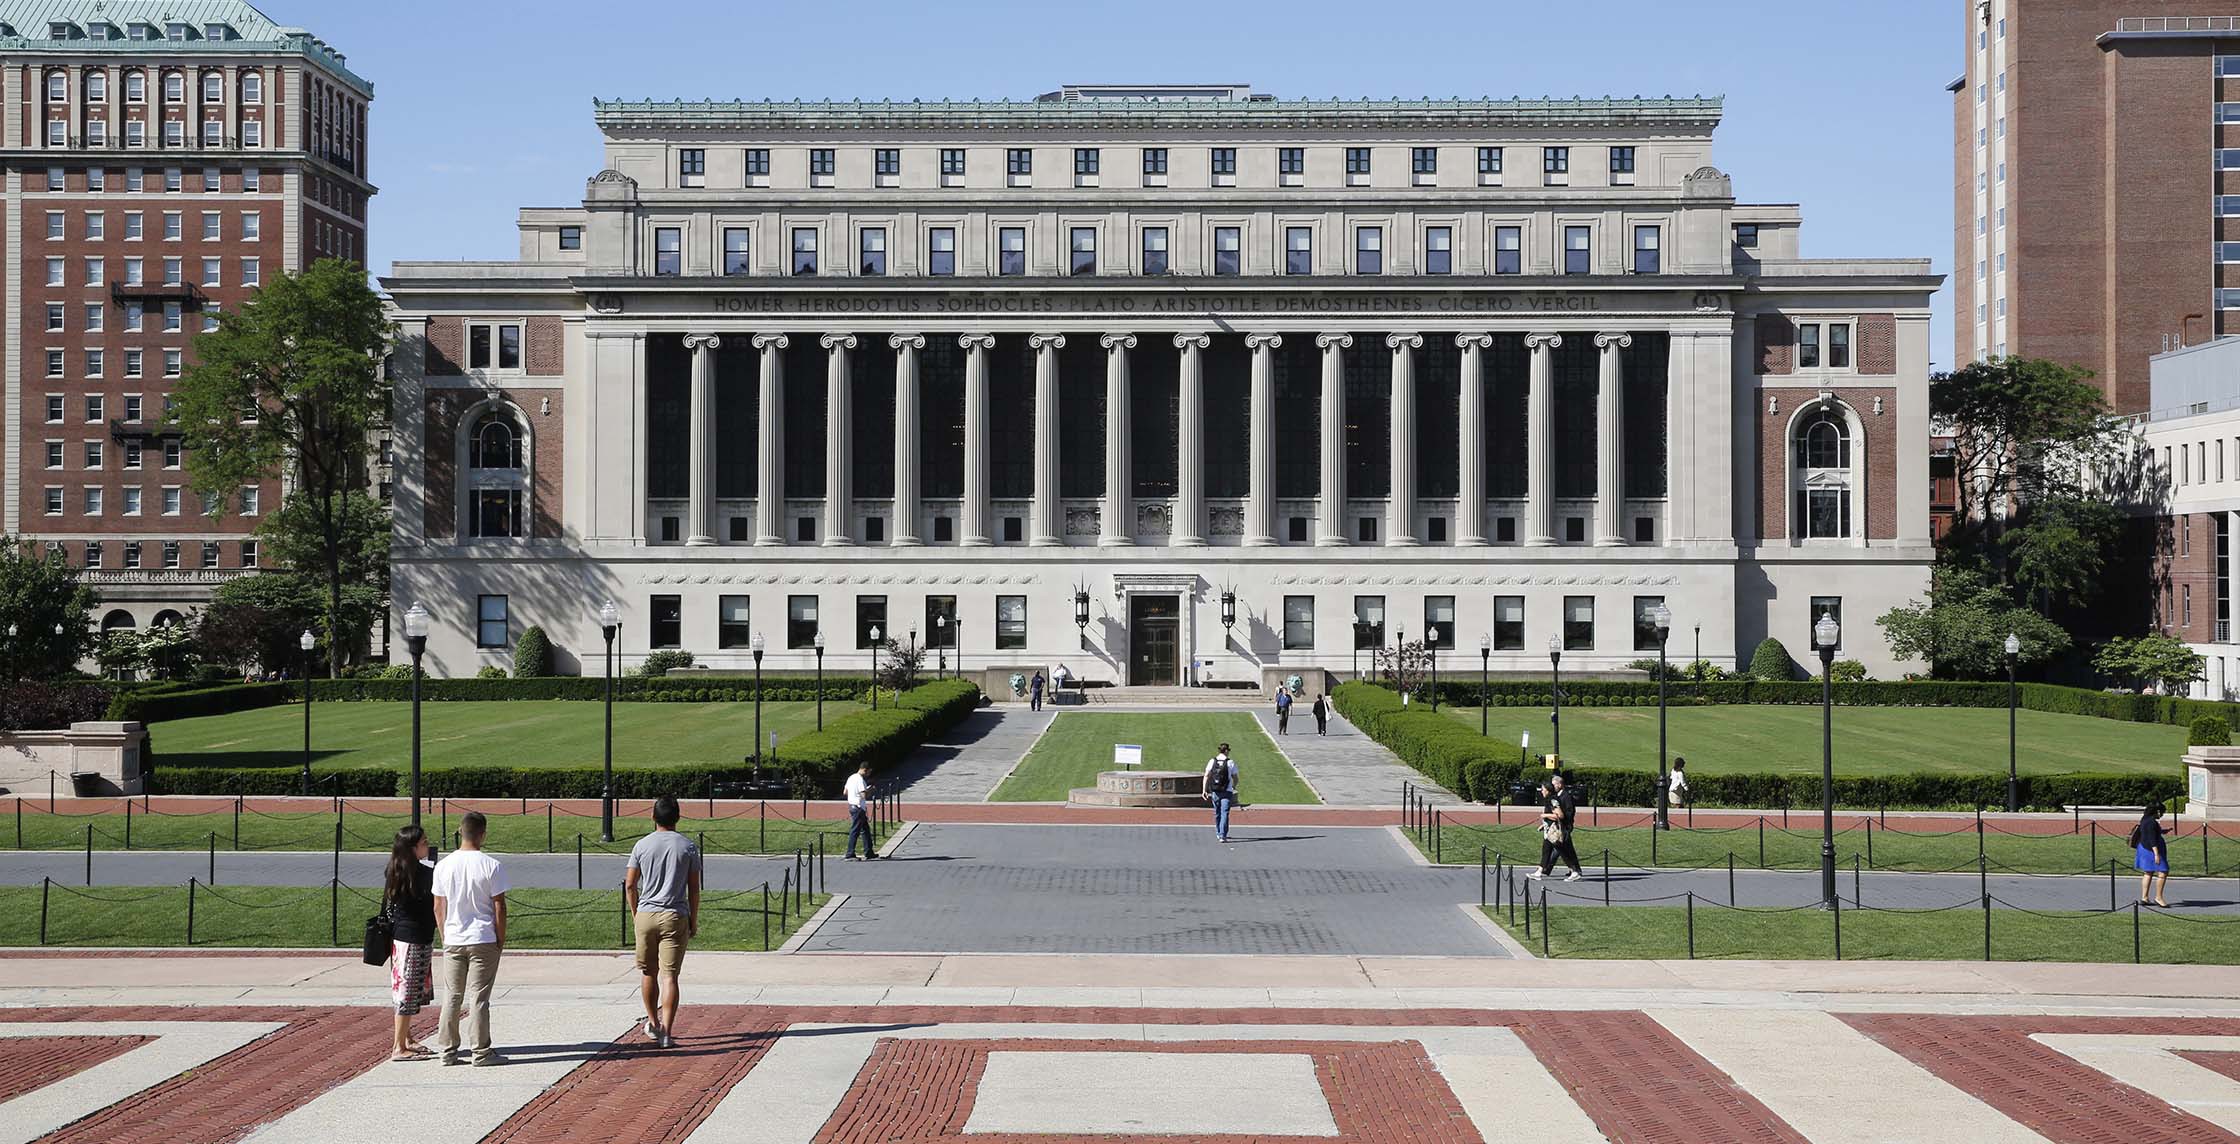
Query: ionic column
(1190, 444)
(975, 513)
(1609, 442)
(839, 497)
(1117, 525)
(701, 452)
(770, 443)
(1400, 511)
(1260, 505)
(905, 523)
(1330, 527)
(1539, 462)
(1470, 505)
(1042, 527)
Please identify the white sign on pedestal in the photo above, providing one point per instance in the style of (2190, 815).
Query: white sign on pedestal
(1127, 755)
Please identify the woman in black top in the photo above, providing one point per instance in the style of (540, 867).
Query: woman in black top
(408, 898)
(2152, 855)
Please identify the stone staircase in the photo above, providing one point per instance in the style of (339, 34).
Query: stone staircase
(1193, 697)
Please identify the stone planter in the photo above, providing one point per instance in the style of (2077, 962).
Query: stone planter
(2213, 783)
(115, 752)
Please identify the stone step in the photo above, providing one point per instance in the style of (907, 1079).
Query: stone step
(1230, 697)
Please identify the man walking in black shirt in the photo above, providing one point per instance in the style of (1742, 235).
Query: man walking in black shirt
(1557, 813)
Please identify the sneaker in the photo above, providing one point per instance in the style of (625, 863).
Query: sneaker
(653, 1030)
(488, 1059)
(1572, 877)
(666, 1041)
(1535, 875)
(447, 1059)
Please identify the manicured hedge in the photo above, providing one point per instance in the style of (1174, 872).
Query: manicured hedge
(1925, 693)
(31, 706)
(153, 706)
(627, 689)
(1446, 751)
(368, 782)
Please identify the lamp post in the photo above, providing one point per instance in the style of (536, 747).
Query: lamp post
(756, 644)
(1824, 636)
(1081, 615)
(1661, 616)
(1400, 663)
(941, 646)
(1228, 617)
(1555, 699)
(305, 641)
(1485, 671)
(874, 667)
(818, 642)
(1431, 648)
(2014, 787)
(610, 622)
(416, 642)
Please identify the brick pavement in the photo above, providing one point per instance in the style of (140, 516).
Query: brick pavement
(29, 1063)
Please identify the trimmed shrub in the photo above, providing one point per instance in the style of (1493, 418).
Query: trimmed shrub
(2209, 731)
(1847, 671)
(1771, 661)
(393, 671)
(153, 706)
(591, 688)
(1443, 749)
(490, 671)
(1925, 791)
(532, 654)
(32, 706)
(657, 664)
(364, 782)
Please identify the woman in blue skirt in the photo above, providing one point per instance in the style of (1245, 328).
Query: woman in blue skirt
(2152, 855)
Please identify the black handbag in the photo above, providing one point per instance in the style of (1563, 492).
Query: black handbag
(380, 934)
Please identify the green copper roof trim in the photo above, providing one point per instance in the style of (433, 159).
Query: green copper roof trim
(1703, 110)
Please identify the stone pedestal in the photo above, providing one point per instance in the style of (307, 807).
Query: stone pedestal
(2213, 783)
(115, 751)
(1143, 788)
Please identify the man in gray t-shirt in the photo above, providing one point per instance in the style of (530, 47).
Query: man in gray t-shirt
(662, 889)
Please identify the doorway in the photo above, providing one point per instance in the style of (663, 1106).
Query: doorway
(1154, 641)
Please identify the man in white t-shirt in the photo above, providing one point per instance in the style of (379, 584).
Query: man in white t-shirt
(470, 892)
(859, 815)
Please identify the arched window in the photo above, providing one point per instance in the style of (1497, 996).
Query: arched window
(252, 87)
(213, 87)
(119, 619)
(496, 492)
(136, 86)
(58, 86)
(97, 86)
(174, 87)
(496, 444)
(1823, 476)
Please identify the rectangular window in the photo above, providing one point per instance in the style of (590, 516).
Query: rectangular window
(209, 554)
(1555, 164)
(1083, 242)
(1644, 622)
(665, 625)
(171, 554)
(1438, 250)
(1357, 161)
(55, 225)
(1808, 346)
(1298, 623)
(171, 500)
(1298, 250)
(1011, 250)
(952, 163)
(491, 628)
(820, 166)
(132, 500)
(55, 272)
(213, 271)
(93, 502)
(1228, 250)
(1839, 343)
(54, 407)
(737, 253)
(1621, 165)
(801, 622)
(132, 554)
(94, 406)
(1154, 250)
(1424, 160)
(804, 250)
(1489, 161)
(173, 225)
(1368, 250)
(1011, 623)
(210, 231)
(871, 261)
(54, 502)
(55, 318)
(758, 162)
(668, 251)
(1578, 250)
(886, 163)
(1291, 161)
(941, 621)
(1368, 622)
(248, 554)
(1647, 252)
(941, 251)
(96, 317)
(1155, 161)
(571, 237)
(1438, 616)
(871, 616)
(1578, 623)
(734, 628)
(1508, 250)
(509, 347)
(94, 453)
(1018, 162)
(1224, 161)
(1086, 161)
(478, 347)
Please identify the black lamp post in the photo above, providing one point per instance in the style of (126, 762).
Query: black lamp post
(1081, 615)
(1431, 648)
(756, 644)
(1485, 671)
(1400, 662)
(1555, 699)
(305, 641)
(610, 622)
(416, 642)
(1228, 615)
(818, 642)
(874, 667)
(1661, 616)
(956, 641)
(2014, 787)
(1824, 636)
(941, 646)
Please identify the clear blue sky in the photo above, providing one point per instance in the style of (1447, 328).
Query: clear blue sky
(482, 106)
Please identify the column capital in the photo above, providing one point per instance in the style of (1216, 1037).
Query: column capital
(1474, 341)
(702, 341)
(1411, 341)
(842, 341)
(1605, 341)
(906, 341)
(977, 341)
(1263, 341)
(771, 341)
(1551, 341)
(1325, 341)
(1192, 341)
(1042, 341)
(1117, 341)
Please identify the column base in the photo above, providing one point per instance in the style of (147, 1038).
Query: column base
(1116, 542)
(905, 542)
(1186, 541)
(839, 541)
(699, 541)
(1610, 542)
(1046, 542)
(1403, 542)
(1260, 542)
(1540, 542)
(1332, 542)
(975, 542)
(768, 541)
(1470, 542)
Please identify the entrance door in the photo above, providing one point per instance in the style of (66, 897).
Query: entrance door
(1154, 640)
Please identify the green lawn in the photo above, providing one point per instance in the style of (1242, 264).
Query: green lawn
(1798, 846)
(521, 733)
(291, 916)
(1593, 931)
(1779, 739)
(1079, 744)
(741, 828)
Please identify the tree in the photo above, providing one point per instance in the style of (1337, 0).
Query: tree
(257, 621)
(900, 664)
(1772, 661)
(2023, 429)
(121, 653)
(532, 654)
(291, 381)
(1962, 628)
(46, 615)
(2056, 552)
(294, 538)
(2153, 660)
(169, 649)
(1404, 668)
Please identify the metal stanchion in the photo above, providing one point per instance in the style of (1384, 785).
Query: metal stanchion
(1691, 925)
(579, 859)
(190, 912)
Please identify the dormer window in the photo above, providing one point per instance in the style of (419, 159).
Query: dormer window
(176, 32)
(61, 30)
(139, 31)
(217, 32)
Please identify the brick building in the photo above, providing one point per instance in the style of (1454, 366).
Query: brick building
(162, 160)
(2091, 196)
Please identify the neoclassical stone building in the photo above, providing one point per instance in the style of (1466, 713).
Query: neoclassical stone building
(1163, 384)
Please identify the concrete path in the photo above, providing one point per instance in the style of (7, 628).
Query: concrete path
(965, 763)
(300, 868)
(1345, 767)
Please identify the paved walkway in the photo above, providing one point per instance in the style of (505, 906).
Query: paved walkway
(1345, 767)
(965, 763)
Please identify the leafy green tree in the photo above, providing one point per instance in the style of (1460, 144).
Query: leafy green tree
(2152, 660)
(291, 382)
(1961, 628)
(294, 538)
(1771, 661)
(121, 653)
(2059, 548)
(2023, 430)
(257, 621)
(46, 615)
(169, 649)
(532, 654)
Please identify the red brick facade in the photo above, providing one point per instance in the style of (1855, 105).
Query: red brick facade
(447, 347)
(2185, 578)
(1777, 344)
(1876, 505)
(445, 411)
(546, 352)
(1875, 344)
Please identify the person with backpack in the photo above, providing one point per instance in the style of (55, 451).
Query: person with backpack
(2151, 855)
(1283, 710)
(1321, 711)
(1221, 789)
(1559, 809)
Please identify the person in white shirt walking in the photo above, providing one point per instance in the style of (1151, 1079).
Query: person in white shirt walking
(470, 891)
(859, 815)
(1221, 789)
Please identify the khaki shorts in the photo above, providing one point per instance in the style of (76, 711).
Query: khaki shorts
(662, 936)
